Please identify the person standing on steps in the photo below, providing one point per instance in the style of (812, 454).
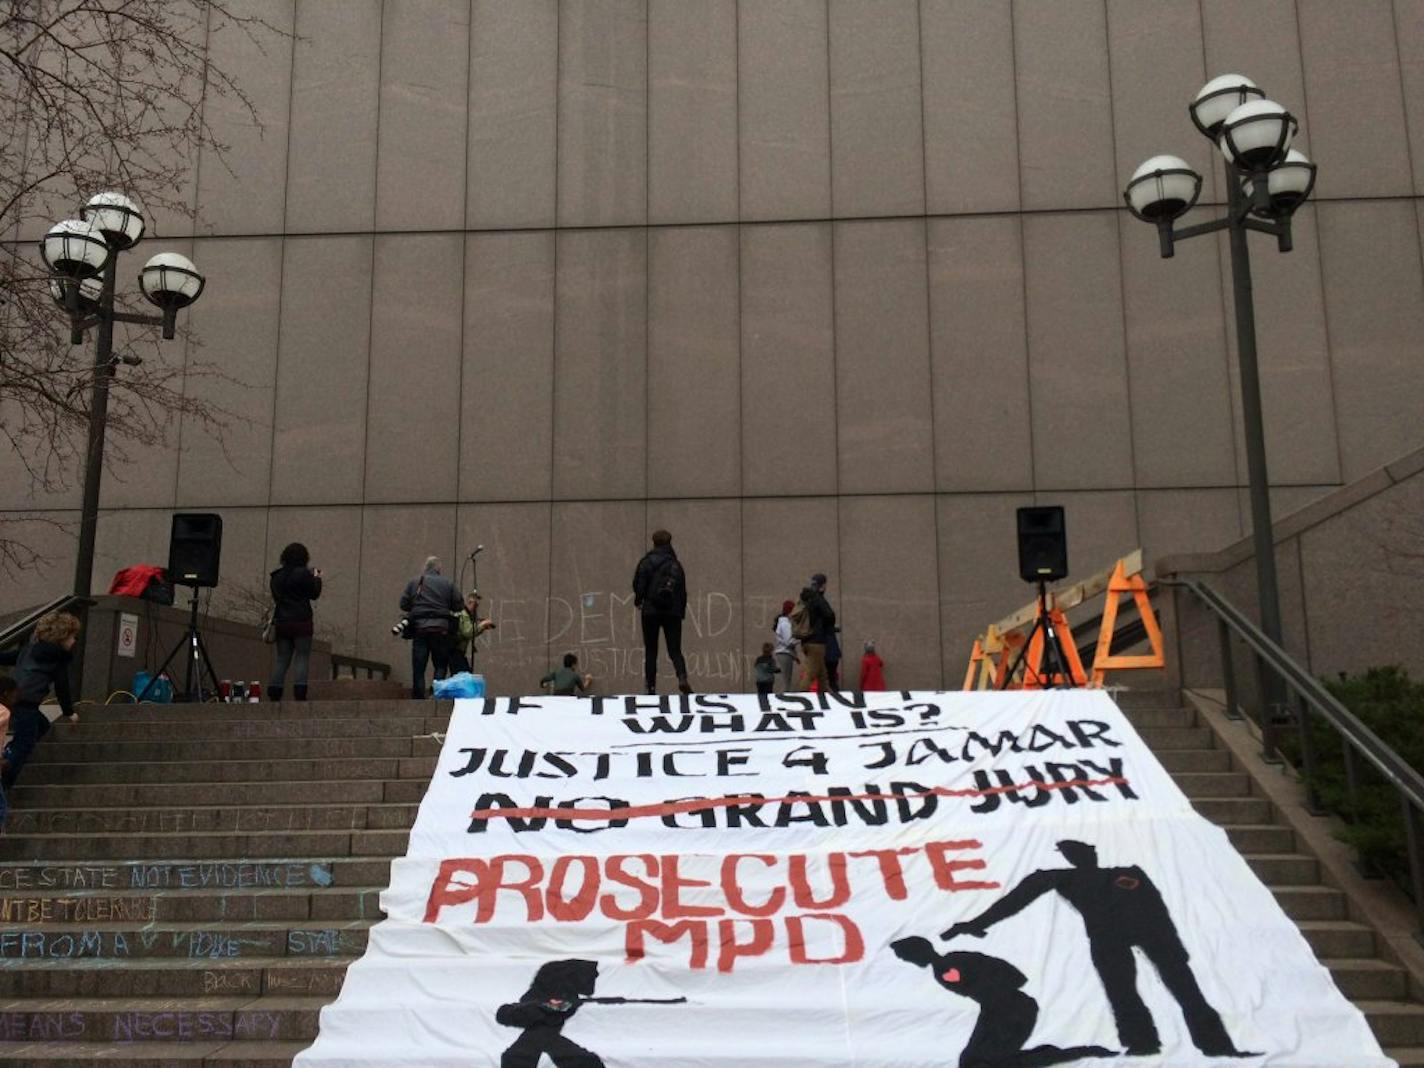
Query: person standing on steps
(819, 624)
(784, 650)
(431, 603)
(1122, 910)
(294, 585)
(660, 595)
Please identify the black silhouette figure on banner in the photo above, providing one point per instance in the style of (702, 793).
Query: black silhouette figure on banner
(559, 989)
(1121, 910)
(1006, 1013)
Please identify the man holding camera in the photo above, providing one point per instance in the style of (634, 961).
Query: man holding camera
(430, 603)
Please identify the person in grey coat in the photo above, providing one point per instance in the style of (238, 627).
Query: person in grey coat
(430, 603)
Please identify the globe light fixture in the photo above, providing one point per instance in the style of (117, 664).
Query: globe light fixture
(1265, 181)
(171, 282)
(75, 249)
(1288, 184)
(1218, 98)
(117, 217)
(82, 256)
(1256, 135)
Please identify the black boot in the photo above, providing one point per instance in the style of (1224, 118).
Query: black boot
(274, 693)
(684, 685)
(299, 692)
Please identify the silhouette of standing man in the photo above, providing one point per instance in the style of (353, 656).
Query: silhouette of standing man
(1121, 910)
(1006, 1013)
(558, 989)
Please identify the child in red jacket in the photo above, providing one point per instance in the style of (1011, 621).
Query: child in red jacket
(872, 670)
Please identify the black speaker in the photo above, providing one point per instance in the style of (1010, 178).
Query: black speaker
(194, 549)
(1043, 544)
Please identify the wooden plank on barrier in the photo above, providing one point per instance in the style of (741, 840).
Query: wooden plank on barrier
(1071, 597)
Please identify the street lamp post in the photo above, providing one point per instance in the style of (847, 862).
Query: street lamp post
(1266, 180)
(82, 255)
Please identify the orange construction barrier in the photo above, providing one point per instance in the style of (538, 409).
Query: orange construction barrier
(1104, 660)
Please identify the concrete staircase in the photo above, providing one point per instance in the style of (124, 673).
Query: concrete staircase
(186, 884)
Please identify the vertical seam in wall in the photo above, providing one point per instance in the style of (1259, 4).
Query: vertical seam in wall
(193, 241)
(553, 334)
(1221, 293)
(1304, 118)
(281, 271)
(1122, 290)
(464, 272)
(835, 340)
(740, 661)
(1403, 96)
(930, 356)
(647, 257)
(1304, 594)
(371, 297)
(1023, 255)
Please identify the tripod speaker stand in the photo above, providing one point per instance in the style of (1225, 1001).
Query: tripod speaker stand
(1055, 659)
(197, 657)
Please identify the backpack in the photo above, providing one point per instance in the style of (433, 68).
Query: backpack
(801, 621)
(662, 588)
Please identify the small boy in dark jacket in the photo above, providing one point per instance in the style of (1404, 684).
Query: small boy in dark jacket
(43, 663)
(766, 670)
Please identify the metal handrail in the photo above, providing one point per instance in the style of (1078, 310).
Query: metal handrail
(18, 631)
(1312, 696)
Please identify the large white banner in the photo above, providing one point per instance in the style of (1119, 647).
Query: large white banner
(906, 880)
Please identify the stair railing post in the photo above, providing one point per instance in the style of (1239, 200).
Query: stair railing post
(1352, 779)
(1266, 712)
(1307, 757)
(1228, 670)
(1416, 861)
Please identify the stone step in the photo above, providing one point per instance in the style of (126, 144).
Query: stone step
(1161, 717)
(44, 876)
(28, 795)
(1338, 938)
(236, 770)
(254, 819)
(221, 730)
(1134, 698)
(1395, 1023)
(1189, 760)
(46, 907)
(1284, 869)
(249, 1054)
(181, 977)
(1261, 838)
(1369, 978)
(1406, 1056)
(1199, 784)
(1162, 738)
(195, 941)
(305, 710)
(1229, 810)
(77, 847)
(73, 753)
(1311, 902)
(123, 1020)
(388, 690)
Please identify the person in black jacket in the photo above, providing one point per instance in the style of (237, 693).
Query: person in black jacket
(294, 587)
(43, 663)
(822, 620)
(431, 604)
(660, 594)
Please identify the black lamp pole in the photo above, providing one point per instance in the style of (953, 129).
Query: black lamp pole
(98, 421)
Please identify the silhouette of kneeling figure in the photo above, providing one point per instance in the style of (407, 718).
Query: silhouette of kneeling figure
(1006, 1013)
(558, 989)
(1122, 909)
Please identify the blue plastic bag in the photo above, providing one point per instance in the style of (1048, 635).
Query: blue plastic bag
(162, 691)
(459, 685)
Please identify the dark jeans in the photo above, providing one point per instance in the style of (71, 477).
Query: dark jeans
(293, 653)
(459, 662)
(429, 647)
(29, 725)
(671, 626)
